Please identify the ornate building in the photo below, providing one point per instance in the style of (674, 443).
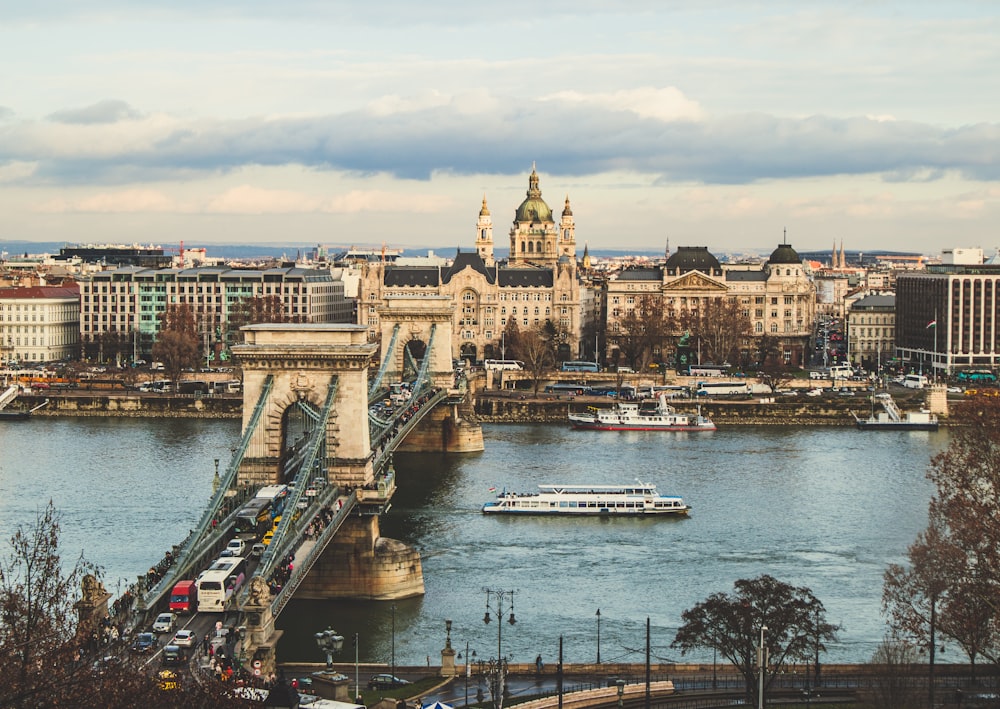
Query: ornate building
(537, 283)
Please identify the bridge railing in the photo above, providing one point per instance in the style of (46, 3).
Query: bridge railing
(192, 549)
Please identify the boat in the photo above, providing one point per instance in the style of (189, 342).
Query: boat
(19, 414)
(892, 419)
(630, 500)
(650, 415)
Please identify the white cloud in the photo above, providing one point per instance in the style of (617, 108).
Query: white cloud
(664, 104)
(17, 170)
(123, 201)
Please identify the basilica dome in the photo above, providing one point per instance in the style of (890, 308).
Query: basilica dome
(533, 208)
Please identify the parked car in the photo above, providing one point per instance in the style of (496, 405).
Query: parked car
(144, 643)
(385, 681)
(184, 638)
(164, 623)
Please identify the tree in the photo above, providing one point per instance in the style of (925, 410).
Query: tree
(721, 327)
(257, 309)
(892, 676)
(644, 330)
(534, 348)
(177, 342)
(46, 659)
(731, 624)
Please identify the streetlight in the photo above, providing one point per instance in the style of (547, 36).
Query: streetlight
(761, 661)
(598, 636)
(393, 642)
(621, 692)
(357, 683)
(468, 669)
(329, 642)
(498, 667)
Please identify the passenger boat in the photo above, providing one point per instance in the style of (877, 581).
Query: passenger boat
(632, 500)
(650, 415)
(892, 419)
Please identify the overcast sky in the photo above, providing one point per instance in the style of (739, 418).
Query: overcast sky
(715, 123)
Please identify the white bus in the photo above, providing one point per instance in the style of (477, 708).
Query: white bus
(220, 582)
(722, 388)
(915, 381)
(841, 371)
(496, 364)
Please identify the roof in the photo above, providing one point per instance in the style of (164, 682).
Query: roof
(875, 301)
(784, 254)
(533, 208)
(469, 259)
(746, 276)
(692, 258)
(413, 276)
(40, 292)
(525, 278)
(641, 274)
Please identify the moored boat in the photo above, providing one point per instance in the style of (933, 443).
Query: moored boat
(650, 415)
(892, 419)
(630, 500)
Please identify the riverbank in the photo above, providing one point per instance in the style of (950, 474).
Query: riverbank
(134, 404)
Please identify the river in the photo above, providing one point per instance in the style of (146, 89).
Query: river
(825, 508)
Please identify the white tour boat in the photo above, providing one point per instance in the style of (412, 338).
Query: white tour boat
(650, 415)
(611, 500)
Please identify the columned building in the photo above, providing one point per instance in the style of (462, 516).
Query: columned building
(871, 331)
(946, 318)
(539, 281)
(39, 323)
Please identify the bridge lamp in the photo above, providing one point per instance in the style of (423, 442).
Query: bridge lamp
(329, 642)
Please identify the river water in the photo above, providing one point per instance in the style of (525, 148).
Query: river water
(825, 508)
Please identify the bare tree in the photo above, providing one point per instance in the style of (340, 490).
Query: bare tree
(732, 624)
(644, 330)
(534, 348)
(254, 310)
(893, 675)
(721, 327)
(177, 342)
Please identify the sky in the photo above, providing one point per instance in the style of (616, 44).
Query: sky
(732, 124)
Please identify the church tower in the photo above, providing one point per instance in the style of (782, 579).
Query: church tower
(567, 233)
(484, 234)
(533, 236)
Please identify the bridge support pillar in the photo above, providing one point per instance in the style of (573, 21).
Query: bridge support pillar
(449, 428)
(361, 565)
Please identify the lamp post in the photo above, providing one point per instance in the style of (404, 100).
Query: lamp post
(357, 683)
(502, 602)
(598, 636)
(329, 642)
(393, 642)
(621, 692)
(761, 662)
(468, 669)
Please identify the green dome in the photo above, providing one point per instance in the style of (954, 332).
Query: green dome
(533, 208)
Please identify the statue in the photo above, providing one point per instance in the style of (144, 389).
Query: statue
(260, 594)
(684, 339)
(93, 590)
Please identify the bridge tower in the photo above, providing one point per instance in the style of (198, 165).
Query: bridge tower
(303, 361)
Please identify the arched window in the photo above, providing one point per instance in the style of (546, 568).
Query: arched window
(759, 328)
(531, 247)
(483, 235)
(774, 327)
(539, 247)
(522, 247)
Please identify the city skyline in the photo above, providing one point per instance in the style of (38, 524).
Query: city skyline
(868, 125)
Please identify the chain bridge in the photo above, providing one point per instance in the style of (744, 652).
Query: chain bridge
(318, 420)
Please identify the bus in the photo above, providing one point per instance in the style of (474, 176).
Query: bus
(841, 371)
(708, 370)
(580, 366)
(220, 582)
(723, 388)
(567, 388)
(914, 381)
(497, 364)
(254, 519)
(982, 376)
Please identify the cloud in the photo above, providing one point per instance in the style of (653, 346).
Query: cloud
(17, 171)
(649, 131)
(124, 201)
(110, 111)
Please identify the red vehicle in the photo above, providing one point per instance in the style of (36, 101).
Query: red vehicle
(184, 597)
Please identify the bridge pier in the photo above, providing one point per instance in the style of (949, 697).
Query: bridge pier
(359, 564)
(449, 428)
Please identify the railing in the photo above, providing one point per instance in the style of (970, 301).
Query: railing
(387, 357)
(189, 552)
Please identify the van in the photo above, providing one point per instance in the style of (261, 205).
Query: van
(184, 597)
(816, 375)
(915, 381)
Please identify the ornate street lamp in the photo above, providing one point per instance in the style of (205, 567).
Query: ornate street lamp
(469, 656)
(598, 636)
(499, 602)
(329, 642)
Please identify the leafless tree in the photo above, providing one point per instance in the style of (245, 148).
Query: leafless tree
(177, 342)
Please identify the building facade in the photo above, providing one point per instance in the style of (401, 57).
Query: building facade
(871, 331)
(947, 318)
(39, 323)
(538, 283)
(130, 300)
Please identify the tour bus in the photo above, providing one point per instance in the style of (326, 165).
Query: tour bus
(708, 370)
(979, 376)
(580, 366)
(254, 519)
(722, 388)
(567, 388)
(915, 381)
(223, 579)
(497, 364)
(184, 597)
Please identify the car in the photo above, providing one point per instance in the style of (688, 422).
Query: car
(257, 550)
(385, 681)
(237, 547)
(883, 395)
(268, 536)
(164, 623)
(184, 638)
(174, 655)
(955, 390)
(144, 643)
(814, 392)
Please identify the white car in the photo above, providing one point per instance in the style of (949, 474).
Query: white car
(164, 623)
(184, 638)
(236, 546)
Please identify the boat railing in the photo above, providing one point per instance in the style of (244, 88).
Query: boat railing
(890, 408)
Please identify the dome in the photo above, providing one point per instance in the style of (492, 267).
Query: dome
(533, 208)
(784, 254)
(485, 211)
(692, 258)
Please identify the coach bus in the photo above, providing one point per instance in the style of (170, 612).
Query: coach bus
(580, 366)
(220, 582)
(498, 364)
(253, 520)
(708, 370)
(980, 376)
(723, 388)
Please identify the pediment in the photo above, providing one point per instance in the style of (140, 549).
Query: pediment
(695, 281)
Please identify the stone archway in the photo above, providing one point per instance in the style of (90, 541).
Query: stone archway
(417, 317)
(304, 360)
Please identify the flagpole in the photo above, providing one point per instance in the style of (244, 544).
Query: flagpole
(935, 344)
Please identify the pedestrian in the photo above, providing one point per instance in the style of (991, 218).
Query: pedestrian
(204, 645)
